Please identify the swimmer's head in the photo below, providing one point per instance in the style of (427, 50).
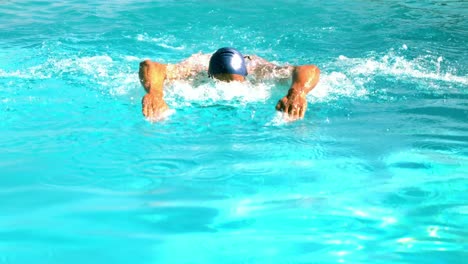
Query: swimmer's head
(227, 64)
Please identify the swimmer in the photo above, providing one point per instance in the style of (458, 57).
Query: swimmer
(227, 64)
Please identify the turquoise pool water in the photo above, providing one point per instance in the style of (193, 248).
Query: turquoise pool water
(376, 172)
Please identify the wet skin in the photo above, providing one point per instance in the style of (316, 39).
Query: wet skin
(293, 104)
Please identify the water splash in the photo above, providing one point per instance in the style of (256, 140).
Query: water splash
(354, 77)
(183, 93)
(439, 60)
(349, 77)
(397, 65)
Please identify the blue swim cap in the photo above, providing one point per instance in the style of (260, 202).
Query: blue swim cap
(227, 60)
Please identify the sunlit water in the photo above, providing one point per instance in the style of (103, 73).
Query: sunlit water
(376, 172)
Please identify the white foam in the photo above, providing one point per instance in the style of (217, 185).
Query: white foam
(355, 75)
(337, 84)
(124, 84)
(215, 92)
(279, 119)
(422, 67)
(31, 73)
(164, 116)
(163, 45)
(350, 77)
(94, 66)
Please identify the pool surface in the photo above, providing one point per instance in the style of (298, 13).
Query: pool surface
(376, 172)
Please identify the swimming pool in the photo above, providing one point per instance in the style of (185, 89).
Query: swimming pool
(376, 172)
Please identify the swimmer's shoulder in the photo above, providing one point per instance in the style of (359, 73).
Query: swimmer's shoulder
(191, 67)
(260, 68)
(198, 59)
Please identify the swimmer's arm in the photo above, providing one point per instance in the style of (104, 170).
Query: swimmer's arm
(189, 68)
(304, 79)
(153, 76)
(294, 103)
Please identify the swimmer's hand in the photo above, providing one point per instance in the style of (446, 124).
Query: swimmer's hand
(154, 106)
(152, 76)
(294, 105)
(304, 79)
